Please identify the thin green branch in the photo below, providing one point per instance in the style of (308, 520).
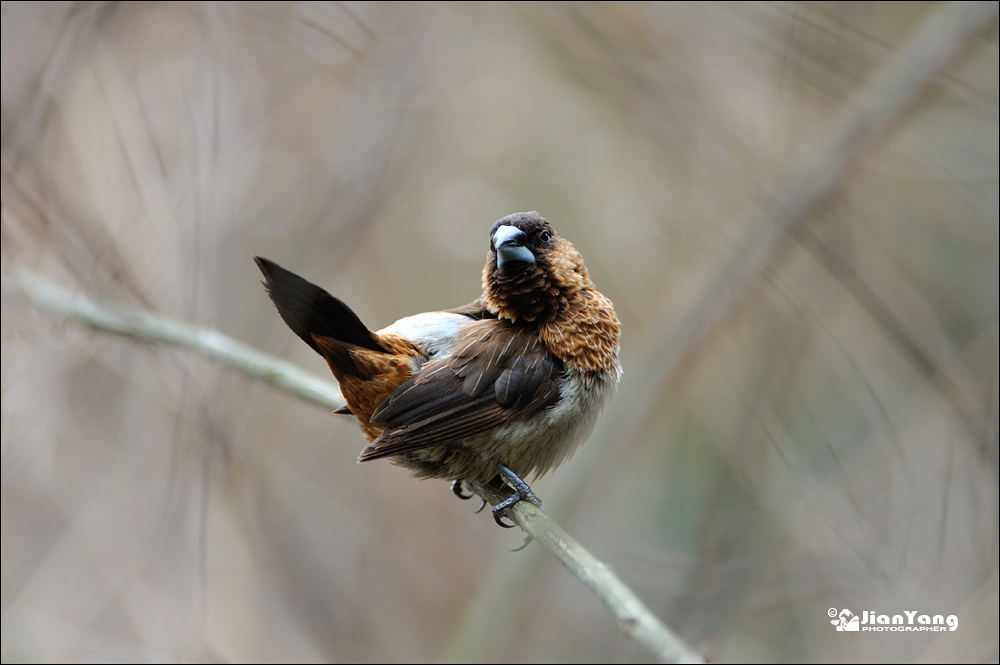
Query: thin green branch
(635, 619)
(143, 325)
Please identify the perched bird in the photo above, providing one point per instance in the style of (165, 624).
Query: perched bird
(506, 386)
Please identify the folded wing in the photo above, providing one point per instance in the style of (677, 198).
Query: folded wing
(497, 372)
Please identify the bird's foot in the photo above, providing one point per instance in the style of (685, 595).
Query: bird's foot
(457, 490)
(522, 492)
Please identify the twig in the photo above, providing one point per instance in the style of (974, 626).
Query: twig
(143, 325)
(636, 620)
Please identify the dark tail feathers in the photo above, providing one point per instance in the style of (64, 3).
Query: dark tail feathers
(309, 310)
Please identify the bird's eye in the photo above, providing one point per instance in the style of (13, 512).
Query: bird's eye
(543, 236)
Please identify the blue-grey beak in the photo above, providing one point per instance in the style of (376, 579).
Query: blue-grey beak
(509, 243)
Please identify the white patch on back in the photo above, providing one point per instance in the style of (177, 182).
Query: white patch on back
(431, 331)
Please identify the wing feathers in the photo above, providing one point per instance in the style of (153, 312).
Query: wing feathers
(499, 371)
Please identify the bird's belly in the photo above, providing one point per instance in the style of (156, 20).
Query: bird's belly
(530, 447)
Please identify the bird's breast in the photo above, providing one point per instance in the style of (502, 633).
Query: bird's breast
(538, 444)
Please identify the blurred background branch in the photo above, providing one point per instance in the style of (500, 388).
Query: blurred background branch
(765, 229)
(822, 437)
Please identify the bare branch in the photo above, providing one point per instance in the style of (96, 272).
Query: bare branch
(143, 325)
(636, 620)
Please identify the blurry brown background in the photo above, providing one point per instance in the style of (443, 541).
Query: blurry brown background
(828, 439)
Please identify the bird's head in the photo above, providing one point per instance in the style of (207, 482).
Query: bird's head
(532, 273)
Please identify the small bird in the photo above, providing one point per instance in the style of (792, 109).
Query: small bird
(504, 387)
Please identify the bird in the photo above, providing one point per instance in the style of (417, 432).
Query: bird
(495, 391)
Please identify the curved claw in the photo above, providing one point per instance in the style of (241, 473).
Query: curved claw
(480, 508)
(521, 492)
(499, 510)
(498, 515)
(456, 489)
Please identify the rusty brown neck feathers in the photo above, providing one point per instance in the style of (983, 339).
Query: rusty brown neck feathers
(555, 294)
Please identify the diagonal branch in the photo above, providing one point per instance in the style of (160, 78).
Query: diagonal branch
(146, 326)
(635, 619)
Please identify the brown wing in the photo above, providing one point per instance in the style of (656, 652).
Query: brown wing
(497, 372)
